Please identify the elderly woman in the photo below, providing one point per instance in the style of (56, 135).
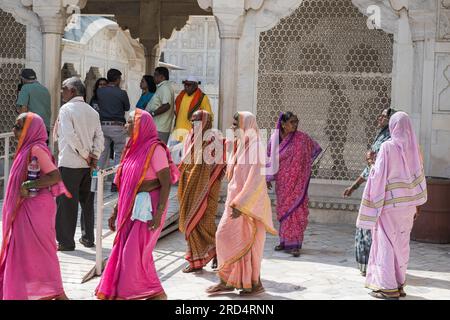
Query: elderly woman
(144, 177)
(242, 230)
(395, 187)
(292, 152)
(29, 266)
(198, 193)
(363, 237)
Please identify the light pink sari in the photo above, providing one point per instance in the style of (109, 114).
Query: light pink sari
(395, 187)
(130, 272)
(240, 241)
(29, 266)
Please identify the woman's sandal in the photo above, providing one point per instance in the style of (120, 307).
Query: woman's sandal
(217, 289)
(402, 292)
(279, 247)
(255, 291)
(381, 295)
(189, 269)
(296, 253)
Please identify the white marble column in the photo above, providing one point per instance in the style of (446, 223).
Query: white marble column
(230, 16)
(52, 16)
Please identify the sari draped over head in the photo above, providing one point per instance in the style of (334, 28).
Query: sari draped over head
(240, 241)
(397, 178)
(293, 158)
(32, 262)
(198, 194)
(134, 243)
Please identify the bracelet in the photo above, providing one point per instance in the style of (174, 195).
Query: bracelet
(355, 186)
(30, 184)
(161, 207)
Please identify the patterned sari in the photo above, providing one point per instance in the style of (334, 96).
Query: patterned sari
(198, 194)
(363, 237)
(296, 155)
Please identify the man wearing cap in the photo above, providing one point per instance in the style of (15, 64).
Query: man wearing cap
(188, 101)
(34, 97)
(162, 103)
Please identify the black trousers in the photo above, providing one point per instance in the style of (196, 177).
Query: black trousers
(78, 182)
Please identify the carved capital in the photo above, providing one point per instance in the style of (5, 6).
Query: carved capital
(53, 13)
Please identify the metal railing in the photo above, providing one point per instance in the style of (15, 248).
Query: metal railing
(6, 157)
(100, 206)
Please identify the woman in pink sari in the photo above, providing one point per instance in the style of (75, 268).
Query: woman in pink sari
(242, 230)
(395, 187)
(292, 152)
(146, 169)
(29, 266)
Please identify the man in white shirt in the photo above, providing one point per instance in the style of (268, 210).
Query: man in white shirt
(161, 106)
(80, 142)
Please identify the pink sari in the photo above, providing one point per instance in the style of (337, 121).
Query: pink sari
(29, 266)
(240, 241)
(395, 187)
(130, 272)
(296, 154)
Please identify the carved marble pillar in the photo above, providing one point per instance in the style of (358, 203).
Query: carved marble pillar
(230, 16)
(52, 16)
(150, 32)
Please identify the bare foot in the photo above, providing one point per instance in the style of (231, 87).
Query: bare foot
(189, 269)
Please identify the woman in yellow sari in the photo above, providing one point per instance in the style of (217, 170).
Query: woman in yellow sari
(242, 230)
(198, 193)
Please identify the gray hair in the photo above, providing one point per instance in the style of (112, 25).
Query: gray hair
(76, 84)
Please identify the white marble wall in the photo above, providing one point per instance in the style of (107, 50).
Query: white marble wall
(34, 35)
(196, 49)
(109, 47)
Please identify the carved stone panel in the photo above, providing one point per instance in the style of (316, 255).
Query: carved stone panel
(444, 20)
(442, 83)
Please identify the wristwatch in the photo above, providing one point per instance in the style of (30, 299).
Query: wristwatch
(152, 113)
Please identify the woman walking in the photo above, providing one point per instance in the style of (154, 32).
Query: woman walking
(29, 266)
(144, 177)
(395, 187)
(248, 214)
(363, 237)
(295, 152)
(198, 194)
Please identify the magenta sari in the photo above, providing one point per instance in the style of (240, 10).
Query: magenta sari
(130, 272)
(295, 157)
(29, 266)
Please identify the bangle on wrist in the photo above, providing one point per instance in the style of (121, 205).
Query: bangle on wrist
(30, 184)
(161, 207)
(355, 186)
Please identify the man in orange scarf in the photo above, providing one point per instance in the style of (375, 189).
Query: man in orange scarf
(189, 100)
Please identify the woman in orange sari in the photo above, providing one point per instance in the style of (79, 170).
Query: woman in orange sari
(242, 230)
(198, 193)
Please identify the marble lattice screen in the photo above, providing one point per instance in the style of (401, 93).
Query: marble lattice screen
(12, 61)
(325, 65)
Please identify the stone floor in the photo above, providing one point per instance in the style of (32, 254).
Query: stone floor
(325, 270)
